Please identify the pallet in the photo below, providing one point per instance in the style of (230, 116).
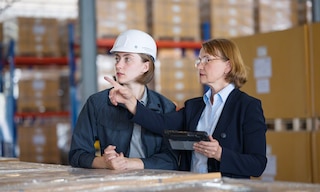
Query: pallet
(293, 124)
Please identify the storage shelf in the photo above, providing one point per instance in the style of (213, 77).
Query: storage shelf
(108, 43)
(44, 114)
(101, 43)
(179, 44)
(40, 60)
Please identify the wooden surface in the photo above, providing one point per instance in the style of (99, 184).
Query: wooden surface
(23, 176)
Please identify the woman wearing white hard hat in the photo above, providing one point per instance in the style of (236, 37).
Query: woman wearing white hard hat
(123, 144)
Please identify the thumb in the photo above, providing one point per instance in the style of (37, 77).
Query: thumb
(210, 138)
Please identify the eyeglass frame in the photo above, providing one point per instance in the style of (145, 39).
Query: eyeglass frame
(201, 60)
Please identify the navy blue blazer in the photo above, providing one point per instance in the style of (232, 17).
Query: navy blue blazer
(241, 132)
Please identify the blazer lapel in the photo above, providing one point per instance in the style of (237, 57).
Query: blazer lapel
(227, 112)
(195, 116)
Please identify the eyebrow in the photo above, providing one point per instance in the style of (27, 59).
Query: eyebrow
(125, 54)
(206, 56)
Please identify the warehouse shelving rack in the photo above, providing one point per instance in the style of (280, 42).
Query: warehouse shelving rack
(8, 144)
(8, 140)
(107, 43)
(36, 61)
(11, 115)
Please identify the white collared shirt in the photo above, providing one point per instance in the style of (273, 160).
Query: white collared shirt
(207, 122)
(136, 149)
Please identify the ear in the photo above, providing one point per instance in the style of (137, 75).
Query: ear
(228, 67)
(145, 66)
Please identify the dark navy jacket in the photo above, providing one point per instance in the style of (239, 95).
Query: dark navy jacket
(100, 120)
(241, 132)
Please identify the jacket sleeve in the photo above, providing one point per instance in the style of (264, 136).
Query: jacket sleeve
(164, 157)
(82, 151)
(156, 122)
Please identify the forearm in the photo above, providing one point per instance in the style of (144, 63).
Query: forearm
(99, 163)
(135, 163)
(132, 163)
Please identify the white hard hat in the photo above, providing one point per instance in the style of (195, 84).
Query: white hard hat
(135, 41)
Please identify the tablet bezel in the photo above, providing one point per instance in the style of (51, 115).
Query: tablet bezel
(184, 140)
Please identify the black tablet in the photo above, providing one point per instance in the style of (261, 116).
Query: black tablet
(183, 140)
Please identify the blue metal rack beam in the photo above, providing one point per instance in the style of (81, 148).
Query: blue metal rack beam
(10, 143)
(72, 81)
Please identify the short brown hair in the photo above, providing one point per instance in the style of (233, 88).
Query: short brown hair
(147, 76)
(228, 51)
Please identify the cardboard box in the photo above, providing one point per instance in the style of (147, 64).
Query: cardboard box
(175, 20)
(275, 15)
(316, 156)
(232, 18)
(176, 77)
(43, 90)
(315, 67)
(44, 140)
(293, 153)
(116, 16)
(33, 36)
(279, 72)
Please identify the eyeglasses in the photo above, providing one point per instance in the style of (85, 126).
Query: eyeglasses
(204, 60)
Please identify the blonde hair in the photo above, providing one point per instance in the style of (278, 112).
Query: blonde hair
(147, 76)
(228, 51)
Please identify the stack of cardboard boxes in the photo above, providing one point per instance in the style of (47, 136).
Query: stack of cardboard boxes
(42, 90)
(232, 18)
(116, 16)
(44, 140)
(33, 36)
(176, 75)
(175, 20)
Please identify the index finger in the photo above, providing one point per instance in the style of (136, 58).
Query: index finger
(112, 82)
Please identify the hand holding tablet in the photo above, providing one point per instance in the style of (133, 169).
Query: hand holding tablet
(184, 140)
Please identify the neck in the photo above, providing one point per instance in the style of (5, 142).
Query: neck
(216, 89)
(137, 90)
